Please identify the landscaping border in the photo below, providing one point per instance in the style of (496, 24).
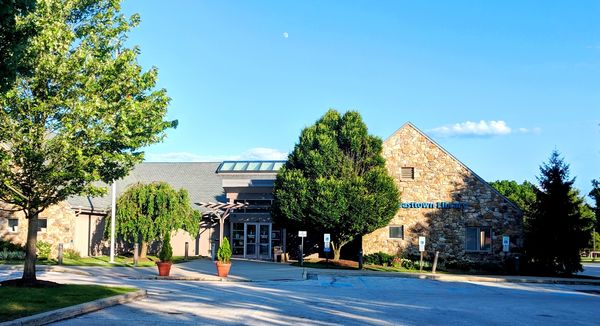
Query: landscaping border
(73, 311)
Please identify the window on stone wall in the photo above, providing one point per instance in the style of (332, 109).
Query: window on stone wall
(13, 225)
(407, 173)
(396, 232)
(478, 239)
(42, 224)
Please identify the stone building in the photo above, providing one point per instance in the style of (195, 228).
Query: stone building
(460, 214)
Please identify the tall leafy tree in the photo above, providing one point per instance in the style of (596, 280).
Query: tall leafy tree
(335, 181)
(82, 115)
(523, 195)
(557, 228)
(14, 34)
(148, 212)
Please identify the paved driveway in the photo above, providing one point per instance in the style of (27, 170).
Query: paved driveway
(350, 300)
(591, 269)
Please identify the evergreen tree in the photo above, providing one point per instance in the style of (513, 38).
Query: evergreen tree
(556, 231)
(335, 181)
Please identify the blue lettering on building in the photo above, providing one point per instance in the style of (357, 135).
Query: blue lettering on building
(438, 205)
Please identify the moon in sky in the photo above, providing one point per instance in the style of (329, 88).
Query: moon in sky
(285, 35)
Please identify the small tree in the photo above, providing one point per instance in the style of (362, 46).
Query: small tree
(146, 212)
(80, 114)
(335, 181)
(224, 252)
(166, 251)
(556, 231)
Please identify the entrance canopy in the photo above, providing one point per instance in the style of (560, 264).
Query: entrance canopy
(222, 211)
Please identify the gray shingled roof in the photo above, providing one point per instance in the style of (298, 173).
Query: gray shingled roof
(198, 178)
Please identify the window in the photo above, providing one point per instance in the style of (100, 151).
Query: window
(478, 239)
(396, 232)
(42, 224)
(13, 225)
(407, 173)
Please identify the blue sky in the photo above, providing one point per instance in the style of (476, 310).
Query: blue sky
(499, 85)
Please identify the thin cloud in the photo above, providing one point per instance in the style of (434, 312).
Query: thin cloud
(257, 153)
(482, 128)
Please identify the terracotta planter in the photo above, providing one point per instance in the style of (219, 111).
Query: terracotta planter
(164, 268)
(223, 269)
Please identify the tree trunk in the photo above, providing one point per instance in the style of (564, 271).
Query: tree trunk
(30, 249)
(143, 249)
(337, 250)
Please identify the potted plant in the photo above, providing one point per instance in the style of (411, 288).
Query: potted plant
(165, 255)
(224, 258)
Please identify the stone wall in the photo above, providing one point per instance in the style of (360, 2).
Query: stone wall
(60, 227)
(439, 177)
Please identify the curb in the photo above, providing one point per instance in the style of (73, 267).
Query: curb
(74, 311)
(466, 278)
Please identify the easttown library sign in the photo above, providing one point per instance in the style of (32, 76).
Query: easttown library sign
(439, 205)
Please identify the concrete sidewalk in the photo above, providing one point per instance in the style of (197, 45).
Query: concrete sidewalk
(261, 271)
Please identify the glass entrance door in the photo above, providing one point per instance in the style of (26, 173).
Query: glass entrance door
(258, 241)
(250, 241)
(264, 245)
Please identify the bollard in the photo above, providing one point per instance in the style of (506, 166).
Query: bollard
(135, 254)
(437, 253)
(60, 253)
(187, 245)
(360, 259)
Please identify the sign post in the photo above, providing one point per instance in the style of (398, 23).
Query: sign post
(421, 249)
(302, 235)
(506, 243)
(326, 248)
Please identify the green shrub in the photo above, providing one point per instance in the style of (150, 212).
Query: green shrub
(166, 252)
(43, 250)
(379, 258)
(12, 255)
(224, 252)
(71, 254)
(10, 246)
(407, 263)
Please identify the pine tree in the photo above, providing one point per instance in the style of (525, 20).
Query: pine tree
(556, 230)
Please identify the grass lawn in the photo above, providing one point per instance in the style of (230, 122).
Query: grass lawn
(590, 260)
(102, 261)
(17, 302)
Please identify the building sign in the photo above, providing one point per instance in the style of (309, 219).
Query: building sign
(438, 205)
(326, 240)
(505, 243)
(421, 244)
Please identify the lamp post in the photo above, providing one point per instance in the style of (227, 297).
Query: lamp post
(112, 221)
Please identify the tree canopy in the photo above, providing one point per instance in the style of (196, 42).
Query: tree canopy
(82, 112)
(558, 225)
(14, 34)
(335, 181)
(148, 212)
(522, 195)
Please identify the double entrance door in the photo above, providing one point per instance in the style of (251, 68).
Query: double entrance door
(258, 240)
